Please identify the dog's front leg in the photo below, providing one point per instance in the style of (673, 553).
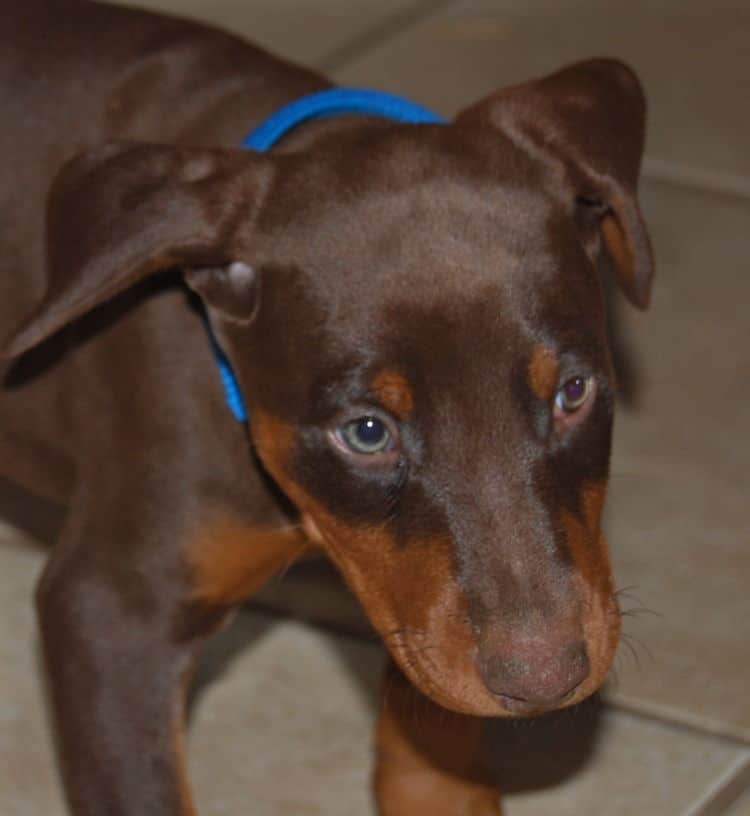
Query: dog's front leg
(123, 613)
(428, 758)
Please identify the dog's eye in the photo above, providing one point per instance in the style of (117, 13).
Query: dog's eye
(573, 395)
(367, 435)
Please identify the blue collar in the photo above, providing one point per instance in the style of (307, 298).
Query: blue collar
(331, 102)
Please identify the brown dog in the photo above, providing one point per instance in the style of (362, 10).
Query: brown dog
(414, 314)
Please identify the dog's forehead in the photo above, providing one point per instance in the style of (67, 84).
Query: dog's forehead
(422, 206)
(421, 256)
(393, 161)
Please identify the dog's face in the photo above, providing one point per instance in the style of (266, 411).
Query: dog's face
(418, 327)
(428, 380)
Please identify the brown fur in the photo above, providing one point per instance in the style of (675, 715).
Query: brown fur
(445, 275)
(231, 561)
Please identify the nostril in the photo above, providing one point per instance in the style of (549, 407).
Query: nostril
(529, 674)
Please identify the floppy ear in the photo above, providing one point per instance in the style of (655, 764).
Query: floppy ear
(122, 212)
(588, 120)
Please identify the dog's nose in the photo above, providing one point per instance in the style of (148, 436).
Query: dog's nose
(533, 674)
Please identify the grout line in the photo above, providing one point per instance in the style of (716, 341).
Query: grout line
(677, 718)
(696, 178)
(390, 27)
(726, 791)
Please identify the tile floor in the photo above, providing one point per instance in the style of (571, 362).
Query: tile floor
(672, 737)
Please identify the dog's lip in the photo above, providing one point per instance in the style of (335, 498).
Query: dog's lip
(518, 707)
(421, 670)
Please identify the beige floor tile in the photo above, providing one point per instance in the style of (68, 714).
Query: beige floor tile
(636, 768)
(288, 723)
(692, 56)
(28, 779)
(680, 519)
(731, 793)
(306, 31)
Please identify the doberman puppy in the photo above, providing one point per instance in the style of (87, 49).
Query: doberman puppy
(415, 318)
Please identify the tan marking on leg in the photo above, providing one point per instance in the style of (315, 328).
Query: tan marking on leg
(187, 808)
(543, 372)
(392, 389)
(428, 758)
(230, 561)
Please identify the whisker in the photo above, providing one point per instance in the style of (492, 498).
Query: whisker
(629, 596)
(614, 672)
(625, 589)
(640, 610)
(631, 648)
(642, 645)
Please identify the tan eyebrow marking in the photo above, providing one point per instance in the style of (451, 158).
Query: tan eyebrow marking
(543, 372)
(392, 389)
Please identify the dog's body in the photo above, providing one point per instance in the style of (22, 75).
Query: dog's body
(415, 319)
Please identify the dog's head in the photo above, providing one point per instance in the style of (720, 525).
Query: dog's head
(415, 316)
